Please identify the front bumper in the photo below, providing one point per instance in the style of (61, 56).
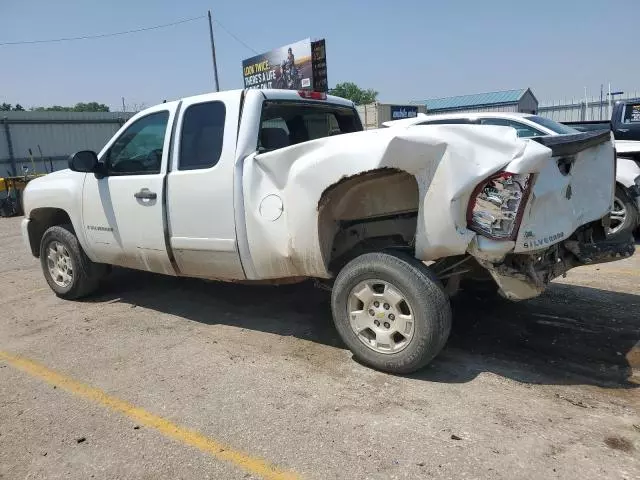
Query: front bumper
(524, 276)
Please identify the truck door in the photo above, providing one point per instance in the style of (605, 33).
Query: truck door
(200, 188)
(122, 212)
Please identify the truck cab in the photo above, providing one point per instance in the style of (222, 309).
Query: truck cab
(160, 195)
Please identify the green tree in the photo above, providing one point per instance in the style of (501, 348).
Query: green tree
(5, 107)
(90, 107)
(353, 92)
(78, 107)
(18, 108)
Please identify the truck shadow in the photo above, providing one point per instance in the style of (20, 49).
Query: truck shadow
(570, 335)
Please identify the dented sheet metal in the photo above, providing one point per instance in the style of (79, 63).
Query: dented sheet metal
(283, 191)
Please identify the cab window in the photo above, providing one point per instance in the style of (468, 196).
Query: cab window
(138, 151)
(202, 135)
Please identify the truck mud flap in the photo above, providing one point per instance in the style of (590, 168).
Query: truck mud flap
(563, 145)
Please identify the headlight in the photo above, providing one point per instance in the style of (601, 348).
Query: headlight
(497, 204)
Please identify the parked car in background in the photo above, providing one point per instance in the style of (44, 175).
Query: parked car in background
(625, 211)
(624, 122)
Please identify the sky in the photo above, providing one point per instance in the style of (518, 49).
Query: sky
(404, 49)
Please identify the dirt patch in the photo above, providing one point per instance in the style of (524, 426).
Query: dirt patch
(619, 443)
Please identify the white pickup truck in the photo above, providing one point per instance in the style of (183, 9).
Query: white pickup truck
(282, 186)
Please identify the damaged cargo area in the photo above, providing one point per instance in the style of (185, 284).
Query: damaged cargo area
(536, 216)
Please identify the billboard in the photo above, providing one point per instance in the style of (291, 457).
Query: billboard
(319, 66)
(398, 112)
(299, 65)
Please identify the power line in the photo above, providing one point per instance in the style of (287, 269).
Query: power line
(103, 35)
(234, 36)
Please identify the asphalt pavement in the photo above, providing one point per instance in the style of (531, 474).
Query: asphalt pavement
(159, 377)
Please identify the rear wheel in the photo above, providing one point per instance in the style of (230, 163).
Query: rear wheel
(624, 214)
(391, 311)
(66, 267)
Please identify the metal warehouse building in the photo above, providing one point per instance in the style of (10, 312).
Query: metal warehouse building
(520, 100)
(52, 137)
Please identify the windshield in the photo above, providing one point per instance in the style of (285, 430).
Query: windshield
(552, 125)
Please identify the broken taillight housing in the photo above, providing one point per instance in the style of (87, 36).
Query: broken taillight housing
(497, 204)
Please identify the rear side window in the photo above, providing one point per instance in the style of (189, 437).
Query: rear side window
(288, 123)
(631, 113)
(201, 136)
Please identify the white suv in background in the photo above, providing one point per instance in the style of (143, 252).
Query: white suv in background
(625, 216)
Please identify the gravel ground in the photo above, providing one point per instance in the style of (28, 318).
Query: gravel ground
(541, 389)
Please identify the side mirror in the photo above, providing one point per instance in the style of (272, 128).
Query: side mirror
(85, 161)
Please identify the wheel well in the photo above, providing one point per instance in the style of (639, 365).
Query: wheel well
(40, 220)
(371, 211)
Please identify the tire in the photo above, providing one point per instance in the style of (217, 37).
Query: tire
(624, 215)
(388, 274)
(77, 275)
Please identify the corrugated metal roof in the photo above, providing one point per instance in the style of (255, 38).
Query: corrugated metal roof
(474, 100)
(62, 116)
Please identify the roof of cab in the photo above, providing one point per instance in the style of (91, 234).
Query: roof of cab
(274, 94)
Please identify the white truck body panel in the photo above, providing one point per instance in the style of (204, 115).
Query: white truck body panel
(559, 204)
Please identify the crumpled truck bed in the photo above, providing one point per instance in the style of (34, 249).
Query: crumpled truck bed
(283, 190)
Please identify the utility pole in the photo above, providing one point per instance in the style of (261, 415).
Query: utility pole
(124, 109)
(601, 100)
(213, 52)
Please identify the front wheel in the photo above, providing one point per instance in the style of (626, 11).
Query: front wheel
(391, 311)
(67, 269)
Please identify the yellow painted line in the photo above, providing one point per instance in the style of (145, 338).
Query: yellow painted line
(169, 429)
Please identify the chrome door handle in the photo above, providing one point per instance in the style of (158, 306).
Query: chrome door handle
(146, 194)
(623, 130)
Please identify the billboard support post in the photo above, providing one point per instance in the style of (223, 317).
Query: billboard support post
(213, 52)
